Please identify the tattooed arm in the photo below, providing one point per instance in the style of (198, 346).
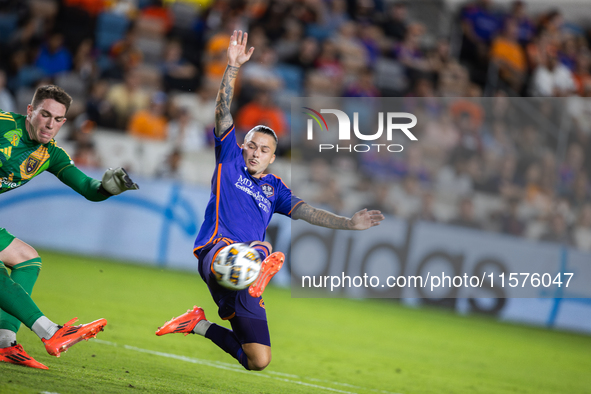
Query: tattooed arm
(362, 220)
(237, 56)
(223, 117)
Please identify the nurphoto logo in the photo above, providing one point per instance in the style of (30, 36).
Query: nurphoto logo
(344, 130)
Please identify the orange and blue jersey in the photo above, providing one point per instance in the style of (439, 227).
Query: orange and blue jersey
(240, 206)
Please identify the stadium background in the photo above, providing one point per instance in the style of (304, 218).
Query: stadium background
(144, 76)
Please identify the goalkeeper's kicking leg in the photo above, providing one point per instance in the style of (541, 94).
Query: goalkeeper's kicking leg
(24, 263)
(17, 306)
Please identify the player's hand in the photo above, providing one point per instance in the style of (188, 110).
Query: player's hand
(237, 54)
(365, 219)
(116, 181)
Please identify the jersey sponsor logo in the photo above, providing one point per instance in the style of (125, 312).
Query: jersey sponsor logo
(246, 185)
(7, 181)
(244, 181)
(35, 160)
(268, 190)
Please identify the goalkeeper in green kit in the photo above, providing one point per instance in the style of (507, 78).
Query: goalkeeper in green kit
(27, 148)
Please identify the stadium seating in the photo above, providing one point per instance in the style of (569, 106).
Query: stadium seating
(110, 28)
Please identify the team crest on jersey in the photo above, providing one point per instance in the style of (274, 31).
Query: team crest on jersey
(268, 190)
(31, 165)
(34, 162)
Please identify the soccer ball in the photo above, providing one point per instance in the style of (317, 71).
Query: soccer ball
(236, 266)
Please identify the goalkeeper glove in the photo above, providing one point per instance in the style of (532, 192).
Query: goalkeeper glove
(116, 181)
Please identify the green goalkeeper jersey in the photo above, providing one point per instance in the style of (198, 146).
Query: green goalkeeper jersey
(22, 159)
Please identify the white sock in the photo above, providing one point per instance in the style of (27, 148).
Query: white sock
(7, 338)
(44, 328)
(201, 327)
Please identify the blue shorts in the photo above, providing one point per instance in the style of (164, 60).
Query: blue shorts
(246, 313)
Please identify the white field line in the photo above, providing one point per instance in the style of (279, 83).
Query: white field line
(284, 377)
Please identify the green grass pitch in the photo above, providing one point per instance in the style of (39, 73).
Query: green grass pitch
(319, 345)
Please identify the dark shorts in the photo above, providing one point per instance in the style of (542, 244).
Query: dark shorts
(5, 238)
(250, 330)
(246, 314)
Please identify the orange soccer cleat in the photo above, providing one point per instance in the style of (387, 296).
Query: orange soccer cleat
(17, 355)
(271, 265)
(185, 323)
(69, 335)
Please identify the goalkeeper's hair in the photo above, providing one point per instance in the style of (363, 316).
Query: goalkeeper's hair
(52, 92)
(265, 130)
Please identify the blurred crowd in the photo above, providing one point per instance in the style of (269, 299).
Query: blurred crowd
(151, 69)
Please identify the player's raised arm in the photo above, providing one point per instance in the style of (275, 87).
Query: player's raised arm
(362, 220)
(237, 56)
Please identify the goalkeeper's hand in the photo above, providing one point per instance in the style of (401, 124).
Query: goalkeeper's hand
(116, 181)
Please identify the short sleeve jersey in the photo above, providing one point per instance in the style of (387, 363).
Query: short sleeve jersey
(21, 158)
(240, 206)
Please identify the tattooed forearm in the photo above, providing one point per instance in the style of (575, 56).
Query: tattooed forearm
(320, 217)
(223, 117)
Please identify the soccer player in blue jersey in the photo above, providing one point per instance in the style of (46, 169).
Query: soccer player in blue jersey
(243, 199)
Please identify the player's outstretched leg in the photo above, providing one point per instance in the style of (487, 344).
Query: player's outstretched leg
(68, 335)
(17, 355)
(194, 322)
(16, 304)
(185, 323)
(16, 301)
(270, 266)
(24, 274)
